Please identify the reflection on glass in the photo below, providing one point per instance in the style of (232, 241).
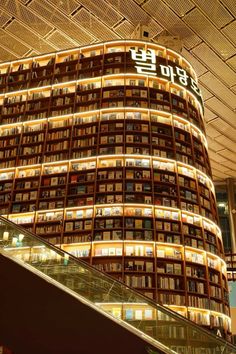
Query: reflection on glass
(158, 325)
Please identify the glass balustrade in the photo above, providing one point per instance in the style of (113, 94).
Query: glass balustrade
(159, 326)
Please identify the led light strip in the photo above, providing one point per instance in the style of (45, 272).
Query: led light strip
(100, 79)
(105, 46)
(123, 207)
(113, 157)
(100, 112)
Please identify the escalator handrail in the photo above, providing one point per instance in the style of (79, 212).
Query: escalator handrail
(145, 299)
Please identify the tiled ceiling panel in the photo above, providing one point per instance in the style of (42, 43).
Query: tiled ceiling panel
(180, 7)
(25, 15)
(197, 65)
(14, 45)
(124, 29)
(207, 29)
(66, 6)
(94, 26)
(60, 40)
(232, 62)
(214, 145)
(215, 11)
(130, 10)
(29, 37)
(224, 128)
(56, 18)
(230, 4)
(215, 64)
(219, 176)
(103, 11)
(171, 22)
(135, 14)
(226, 142)
(219, 89)
(206, 94)
(5, 55)
(233, 88)
(213, 133)
(229, 154)
(209, 115)
(223, 111)
(230, 31)
(4, 18)
(216, 157)
(208, 32)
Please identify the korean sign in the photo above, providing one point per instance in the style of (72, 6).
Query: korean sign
(146, 63)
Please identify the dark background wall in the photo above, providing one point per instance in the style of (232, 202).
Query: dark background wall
(38, 318)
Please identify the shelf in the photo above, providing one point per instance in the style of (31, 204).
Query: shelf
(111, 164)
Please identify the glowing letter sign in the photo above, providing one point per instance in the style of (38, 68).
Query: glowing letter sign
(146, 63)
(143, 67)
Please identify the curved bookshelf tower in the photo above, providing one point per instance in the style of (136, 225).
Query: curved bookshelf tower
(103, 151)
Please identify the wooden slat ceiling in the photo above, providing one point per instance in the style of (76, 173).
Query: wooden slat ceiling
(206, 28)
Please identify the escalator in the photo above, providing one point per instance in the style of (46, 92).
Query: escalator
(53, 303)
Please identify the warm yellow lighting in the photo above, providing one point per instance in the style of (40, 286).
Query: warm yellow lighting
(5, 236)
(21, 236)
(14, 241)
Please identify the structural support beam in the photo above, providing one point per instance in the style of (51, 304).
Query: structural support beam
(232, 212)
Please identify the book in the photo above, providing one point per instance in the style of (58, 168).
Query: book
(78, 225)
(54, 181)
(138, 187)
(139, 265)
(160, 237)
(106, 235)
(118, 187)
(169, 268)
(79, 213)
(147, 224)
(188, 271)
(27, 184)
(25, 196)
(147, 199)
(129, 187)
(110, 199)
(129, 314)
(105, 252)
(129, 250)
(177, 268)
(176, 239)
(69, 226)
(118, 198)
(149, 266)
(138, 212)
(73, 179)
(109, 223)
(138, 315)
(112, 251)
(160, 253)
(129, 223)
(138, 223)
(118, 251)
(159, 225)
(18, 197)
(167, 226)
(129, 235)
(149, 251)
(117, 235)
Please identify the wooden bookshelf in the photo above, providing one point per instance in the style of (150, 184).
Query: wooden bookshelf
(109, 161)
